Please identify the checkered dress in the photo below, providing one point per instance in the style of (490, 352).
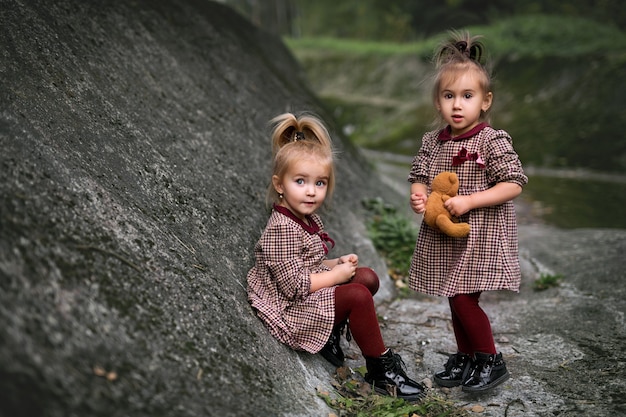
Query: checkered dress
(279, 283)
(487, 259)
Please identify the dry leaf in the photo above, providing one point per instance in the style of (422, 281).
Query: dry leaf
(99, 371)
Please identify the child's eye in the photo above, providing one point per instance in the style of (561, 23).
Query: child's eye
(320, 183)
(299, 181)
(447, 95)
(468, 95)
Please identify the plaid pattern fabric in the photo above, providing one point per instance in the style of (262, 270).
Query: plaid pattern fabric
(279, 283)
(488, 258)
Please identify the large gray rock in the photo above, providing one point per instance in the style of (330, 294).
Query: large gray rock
(134, 160)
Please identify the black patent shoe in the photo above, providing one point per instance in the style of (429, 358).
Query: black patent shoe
(488, 372)
(455, 371)
(332, 349)
(387, 377)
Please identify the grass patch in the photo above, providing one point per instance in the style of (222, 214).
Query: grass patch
(521, 36)
(351, 47)
(353, 397)
(394, 237)
(546, 281)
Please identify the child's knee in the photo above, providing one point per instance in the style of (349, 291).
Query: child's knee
(367, 277)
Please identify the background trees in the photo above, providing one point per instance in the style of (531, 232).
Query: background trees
(408, 20)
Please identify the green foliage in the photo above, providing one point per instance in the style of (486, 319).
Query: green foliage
(373, 405)
(540, 36)
(379, 406)
(392, 234)
(556, 85)
(530, 36)
(546, 281)
(354, 47)
(406, 20)
(353, 397)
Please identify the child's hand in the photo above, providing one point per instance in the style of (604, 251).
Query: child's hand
(346, 271)
(458, 205)
(418, 202)
(351, 258)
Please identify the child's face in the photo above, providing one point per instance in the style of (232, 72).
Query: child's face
(303, 186)
(461, 100)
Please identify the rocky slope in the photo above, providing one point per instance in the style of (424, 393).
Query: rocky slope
(134, 165)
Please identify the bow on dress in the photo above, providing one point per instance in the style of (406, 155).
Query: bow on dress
(463, 156)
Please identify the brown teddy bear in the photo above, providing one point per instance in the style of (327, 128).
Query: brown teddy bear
(444, 186)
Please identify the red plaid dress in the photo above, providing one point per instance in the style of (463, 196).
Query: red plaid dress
(488, 258)
(279, 283)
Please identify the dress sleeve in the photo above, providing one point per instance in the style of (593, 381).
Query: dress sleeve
(284, 250)
(420, 165)
(503, 164)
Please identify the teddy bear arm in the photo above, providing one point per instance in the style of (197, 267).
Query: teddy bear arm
(450, 228)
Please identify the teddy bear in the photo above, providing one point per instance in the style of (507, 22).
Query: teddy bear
(444, 186)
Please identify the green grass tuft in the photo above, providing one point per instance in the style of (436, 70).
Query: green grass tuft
(392, 234)
(353, 397)
(546, 281)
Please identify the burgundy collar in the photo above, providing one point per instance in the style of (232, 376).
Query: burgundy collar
(312, 228)
(446, 133)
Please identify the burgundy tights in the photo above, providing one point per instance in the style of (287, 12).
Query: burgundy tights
(471, 325)
(354, 301)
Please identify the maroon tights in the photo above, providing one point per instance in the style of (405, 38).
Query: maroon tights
(354, 301)
(471, 325)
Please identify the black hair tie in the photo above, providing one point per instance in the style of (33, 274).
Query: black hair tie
(461, 46)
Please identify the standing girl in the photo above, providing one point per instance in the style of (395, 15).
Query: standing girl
(490, 177)
(304, 298)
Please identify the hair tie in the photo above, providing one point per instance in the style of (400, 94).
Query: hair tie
(298, 136)
(461, 46)
(475, 52)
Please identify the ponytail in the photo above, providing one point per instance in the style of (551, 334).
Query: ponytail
(459, 47)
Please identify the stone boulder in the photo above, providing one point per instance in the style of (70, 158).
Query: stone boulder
(134, 161)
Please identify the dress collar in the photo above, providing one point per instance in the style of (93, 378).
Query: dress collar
(446, 133)
(312, 228)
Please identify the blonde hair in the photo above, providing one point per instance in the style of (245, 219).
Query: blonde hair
(298, 137)
(459, 54)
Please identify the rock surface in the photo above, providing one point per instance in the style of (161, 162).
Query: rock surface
(135, 157)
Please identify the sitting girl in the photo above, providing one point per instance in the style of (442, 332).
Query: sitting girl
(304, 298)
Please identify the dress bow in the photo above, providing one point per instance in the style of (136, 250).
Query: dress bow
(463, 156)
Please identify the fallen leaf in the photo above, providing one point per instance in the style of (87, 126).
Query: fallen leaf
(99, 371)
(343, 373)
